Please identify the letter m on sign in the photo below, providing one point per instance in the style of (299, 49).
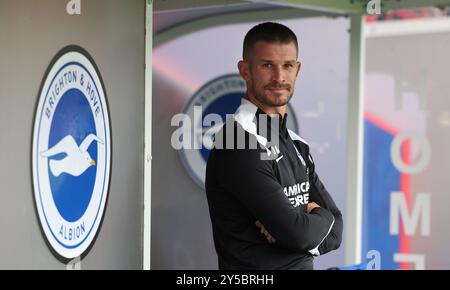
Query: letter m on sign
(420, 212)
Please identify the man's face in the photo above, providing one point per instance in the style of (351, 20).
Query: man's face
(271, 72)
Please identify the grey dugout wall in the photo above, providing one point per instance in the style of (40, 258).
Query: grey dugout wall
(31, 33)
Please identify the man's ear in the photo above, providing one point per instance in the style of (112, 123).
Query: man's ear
(244, 69)
(299, 66)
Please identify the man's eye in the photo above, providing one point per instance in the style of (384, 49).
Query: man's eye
(267, 65)
(289, 65)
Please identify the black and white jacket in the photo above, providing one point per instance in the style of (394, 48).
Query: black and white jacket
(272, 184)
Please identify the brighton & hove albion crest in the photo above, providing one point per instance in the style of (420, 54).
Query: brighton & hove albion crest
(71, 155)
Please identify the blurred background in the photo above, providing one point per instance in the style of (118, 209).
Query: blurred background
(393, 196)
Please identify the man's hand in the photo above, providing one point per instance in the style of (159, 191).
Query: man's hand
(312, 205)
(263, 231)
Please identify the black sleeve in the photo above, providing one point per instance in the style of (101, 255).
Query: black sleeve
(320, 195)
(254, 183)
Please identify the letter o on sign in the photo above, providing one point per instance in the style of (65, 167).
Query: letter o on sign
(396, 152)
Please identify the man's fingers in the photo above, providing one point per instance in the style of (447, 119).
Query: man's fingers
(271, 239)
(263, 231)
(260, 226)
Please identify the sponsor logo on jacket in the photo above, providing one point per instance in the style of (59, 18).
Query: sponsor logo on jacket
(298, 194)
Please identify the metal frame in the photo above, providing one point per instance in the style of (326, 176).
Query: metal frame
(148, 136)
(352, 221)
(341, 6)
(355, 121)
(355, 127)
(191, 26)
(407, 27)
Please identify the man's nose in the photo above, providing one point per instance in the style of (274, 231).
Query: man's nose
(277, 74)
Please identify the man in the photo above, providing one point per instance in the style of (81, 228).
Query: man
(268, 207)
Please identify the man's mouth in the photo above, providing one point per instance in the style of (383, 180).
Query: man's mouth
(278, 89)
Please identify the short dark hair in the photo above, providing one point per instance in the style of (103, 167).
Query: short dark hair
(269, 32)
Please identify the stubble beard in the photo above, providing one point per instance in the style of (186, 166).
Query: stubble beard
(261, 97)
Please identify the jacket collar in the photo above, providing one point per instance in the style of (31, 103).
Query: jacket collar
(247, 113)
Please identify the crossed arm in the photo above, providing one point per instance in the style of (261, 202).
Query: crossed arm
(319, 198)
(269, 237)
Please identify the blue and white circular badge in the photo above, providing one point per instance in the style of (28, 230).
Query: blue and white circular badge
(220, 96)
(71, 156)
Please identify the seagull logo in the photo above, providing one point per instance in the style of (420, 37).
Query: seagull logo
(77, 159)
(72, 149)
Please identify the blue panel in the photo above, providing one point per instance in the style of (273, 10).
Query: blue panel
(380, 179)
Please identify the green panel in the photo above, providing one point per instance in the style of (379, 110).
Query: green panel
(342, 6)
(359, 6)
(164, 5)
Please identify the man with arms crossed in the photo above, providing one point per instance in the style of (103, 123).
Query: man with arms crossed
(268, 207)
